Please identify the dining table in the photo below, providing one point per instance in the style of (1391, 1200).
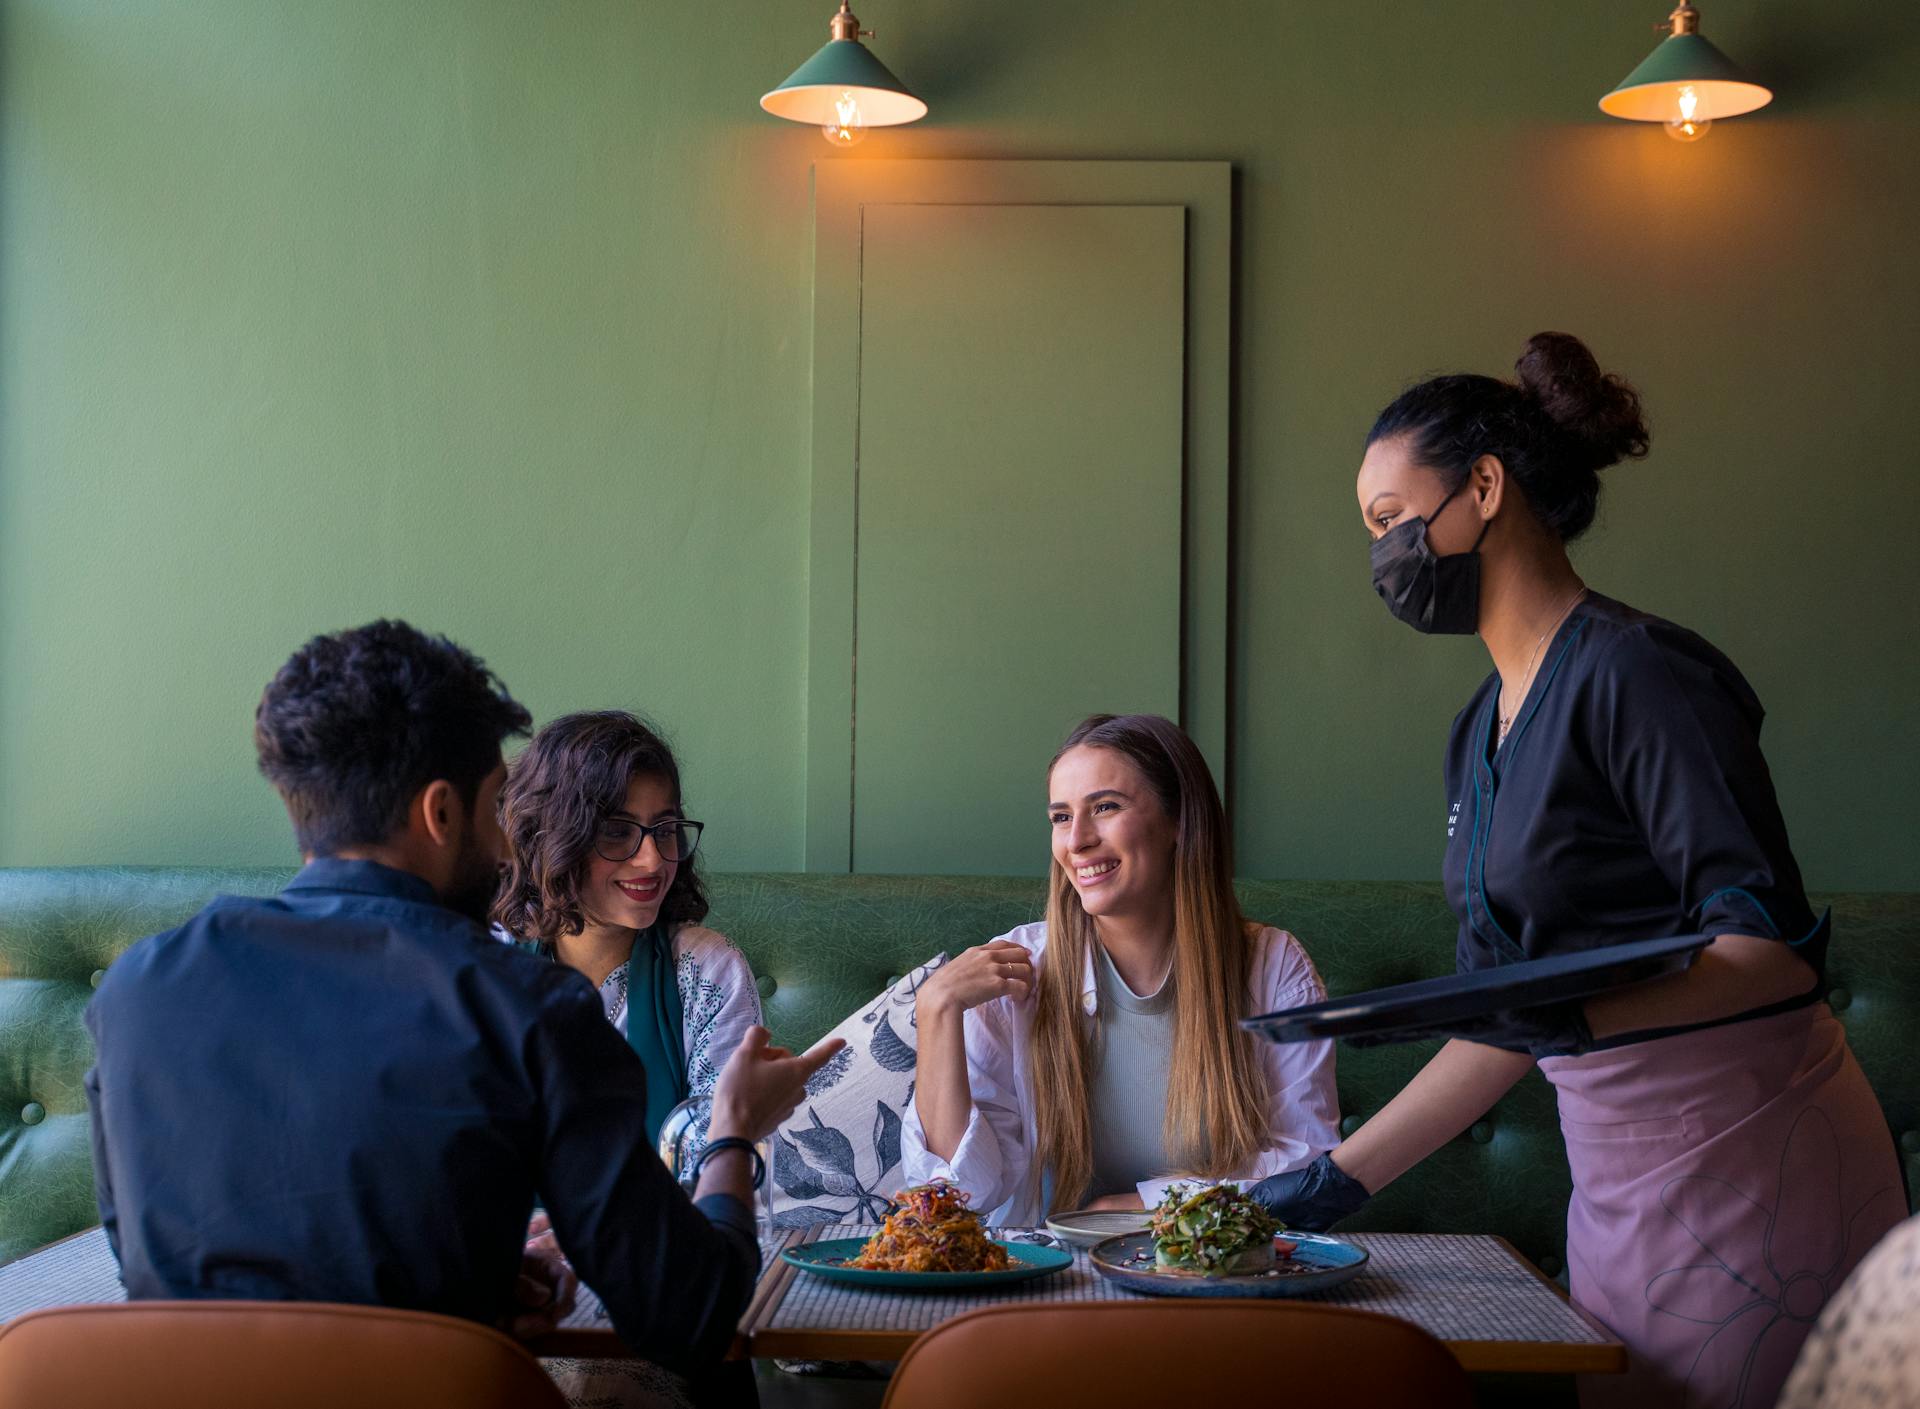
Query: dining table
(1491, 1308)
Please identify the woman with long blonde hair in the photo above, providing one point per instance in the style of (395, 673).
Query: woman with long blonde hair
(1093, 1058)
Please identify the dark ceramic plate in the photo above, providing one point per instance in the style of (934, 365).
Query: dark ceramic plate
(1318, 1262)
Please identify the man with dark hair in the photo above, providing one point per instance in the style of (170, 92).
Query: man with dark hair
(361, 726)
(349, 1092)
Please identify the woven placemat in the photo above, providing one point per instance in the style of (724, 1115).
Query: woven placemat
(1458, 1287)
(82, 1270)
(76, 1270)
(590, 1315)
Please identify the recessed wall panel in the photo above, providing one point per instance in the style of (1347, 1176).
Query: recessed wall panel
(1017, 553)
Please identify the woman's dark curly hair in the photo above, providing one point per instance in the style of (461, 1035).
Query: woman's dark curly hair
(1554, 427)
(569, 779)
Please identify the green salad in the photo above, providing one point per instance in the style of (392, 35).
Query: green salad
(1212, 1229)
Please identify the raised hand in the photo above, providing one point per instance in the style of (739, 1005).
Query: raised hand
(999, 969)
(761, 1084)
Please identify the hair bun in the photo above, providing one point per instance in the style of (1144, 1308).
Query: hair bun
(1598, 413)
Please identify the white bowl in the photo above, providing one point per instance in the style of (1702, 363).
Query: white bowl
(1084, 1227)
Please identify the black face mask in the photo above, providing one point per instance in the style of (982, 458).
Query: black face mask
(1428, 592)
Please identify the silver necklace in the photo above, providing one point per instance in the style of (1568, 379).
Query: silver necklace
(1533, 661)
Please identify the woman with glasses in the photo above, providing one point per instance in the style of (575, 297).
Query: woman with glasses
(600, 877)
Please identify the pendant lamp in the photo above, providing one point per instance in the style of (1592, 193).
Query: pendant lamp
(1686, 83)
(843, 90)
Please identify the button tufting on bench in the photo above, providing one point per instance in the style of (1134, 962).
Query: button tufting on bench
(1840, 999)
(1548, 1264)
(1480, 1132)
(1351, 1123)
(32, 1113)
(98, 974)
(818, 931)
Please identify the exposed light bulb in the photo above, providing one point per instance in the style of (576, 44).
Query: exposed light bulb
(848, 128)
(1687, 127)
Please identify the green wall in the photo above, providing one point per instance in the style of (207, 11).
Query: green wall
(496, 316)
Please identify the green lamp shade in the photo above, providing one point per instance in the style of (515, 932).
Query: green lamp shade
(1651, 93)
(843, 68)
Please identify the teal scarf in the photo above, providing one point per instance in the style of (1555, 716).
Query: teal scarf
(654, 1021)
(655, 1024)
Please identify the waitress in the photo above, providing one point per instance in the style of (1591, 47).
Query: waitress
(1604, 785)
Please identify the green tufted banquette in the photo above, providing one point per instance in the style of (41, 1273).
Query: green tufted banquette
(823, 944)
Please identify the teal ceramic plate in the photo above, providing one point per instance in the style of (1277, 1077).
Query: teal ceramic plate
(1318, 1262)
(828, 1259)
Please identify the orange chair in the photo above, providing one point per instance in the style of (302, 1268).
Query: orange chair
(289, 1354)
(1120, 1354)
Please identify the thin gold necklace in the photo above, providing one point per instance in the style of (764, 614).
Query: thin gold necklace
(1165, 973)
(1533, 662)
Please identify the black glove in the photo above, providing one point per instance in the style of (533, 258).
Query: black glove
(1314, 1198)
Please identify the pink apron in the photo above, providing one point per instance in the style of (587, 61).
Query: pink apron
(1724, 1184)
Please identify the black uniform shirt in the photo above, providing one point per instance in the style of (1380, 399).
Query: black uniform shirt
(1630, 801)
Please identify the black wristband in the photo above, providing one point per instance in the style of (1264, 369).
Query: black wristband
(731, 1142)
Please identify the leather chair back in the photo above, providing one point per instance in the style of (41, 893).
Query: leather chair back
(242, 1354)
(1149, 1354)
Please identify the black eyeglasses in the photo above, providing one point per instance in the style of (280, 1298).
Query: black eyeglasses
(619, 839)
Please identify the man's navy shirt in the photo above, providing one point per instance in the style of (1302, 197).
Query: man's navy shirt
(349, 1093)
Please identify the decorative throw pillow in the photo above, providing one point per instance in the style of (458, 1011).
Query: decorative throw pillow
(837, 1159)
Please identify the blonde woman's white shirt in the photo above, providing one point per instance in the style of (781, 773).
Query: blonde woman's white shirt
(995, 1156)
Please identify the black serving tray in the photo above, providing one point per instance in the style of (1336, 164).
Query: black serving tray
(1459, 1004)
